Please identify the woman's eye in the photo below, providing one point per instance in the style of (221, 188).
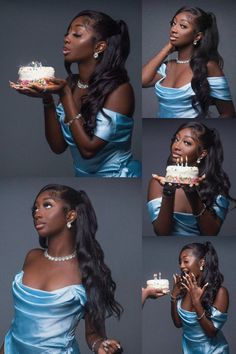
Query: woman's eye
(183, 26)
(187, 143)
(47, 205)
(76, 34)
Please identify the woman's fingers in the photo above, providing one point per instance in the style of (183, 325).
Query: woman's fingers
(159, 179)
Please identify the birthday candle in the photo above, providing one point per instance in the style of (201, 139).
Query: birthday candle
(177, 161)
(186, 160)
(181, 159)
(159, 275)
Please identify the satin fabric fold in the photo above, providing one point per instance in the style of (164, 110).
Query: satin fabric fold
(186, 224)
(177, 102)
(195, 341)
(115, 158)
(44, 321)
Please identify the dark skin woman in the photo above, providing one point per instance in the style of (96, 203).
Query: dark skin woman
(205, 202)
(194, 36)
(198, 292)
(99, 46)
(70, 259)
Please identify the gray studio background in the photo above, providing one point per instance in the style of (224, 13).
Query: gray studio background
(157, 135)
(34, 30)
(156, 16)
(117, 205)
(161, 255)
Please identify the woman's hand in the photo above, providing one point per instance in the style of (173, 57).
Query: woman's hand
(170, 48)
(109, 346)
(36, 89)
(177, 287)
(189, 282)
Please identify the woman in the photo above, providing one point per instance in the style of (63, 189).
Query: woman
(188, 85)
(63, 282)
(94, 115)
(200, 209)
(199, 302)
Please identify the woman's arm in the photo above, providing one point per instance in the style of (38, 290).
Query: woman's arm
(149, 71)
(164, 222)
(209, 224)
(97, 340)
(53, 131)
(2, 349)
(121, 100)
(225, 108)
(221, 303)
(174, 297)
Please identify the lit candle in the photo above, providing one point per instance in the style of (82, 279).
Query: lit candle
(159, 275)
(186, 160)
(182, 162)
(177, 161)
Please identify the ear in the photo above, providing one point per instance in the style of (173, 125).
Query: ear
(71, 216)
(202, 262)
(203, 154)
(100, 47)
(199, 36)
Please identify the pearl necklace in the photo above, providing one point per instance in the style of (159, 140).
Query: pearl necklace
(81, 85)
(182, 61)
(59, 259)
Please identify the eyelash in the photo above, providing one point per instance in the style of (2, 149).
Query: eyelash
(45, 205)
(172, 23)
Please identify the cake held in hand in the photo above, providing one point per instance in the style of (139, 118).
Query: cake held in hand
(35, 72)
(158, 283)
(182, 173)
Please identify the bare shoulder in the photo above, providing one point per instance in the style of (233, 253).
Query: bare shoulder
(222, 299)
(154, 190)
(33, 255)
(121, 100)
(213, 69)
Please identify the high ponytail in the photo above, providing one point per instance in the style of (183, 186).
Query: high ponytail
(110, 70)
(204, 51)
(210, 273)
(96, 276)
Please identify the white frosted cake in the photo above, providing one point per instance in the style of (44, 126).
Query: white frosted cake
(181, 174)
(33, 72)
(158, 283)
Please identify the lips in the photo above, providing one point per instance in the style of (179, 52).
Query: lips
(39, 225)
(173, 38)
(176, 156)
(66, 50)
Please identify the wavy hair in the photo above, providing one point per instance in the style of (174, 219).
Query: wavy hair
(205, 50)
(210, 274)
(96, 276)
(110, 70)
(216, 181)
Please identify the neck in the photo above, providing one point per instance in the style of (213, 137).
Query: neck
(185, 53)
(86, 70)
(61, 246)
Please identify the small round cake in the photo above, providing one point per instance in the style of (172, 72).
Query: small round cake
(158, 283)
(182, 174)
(35, 72)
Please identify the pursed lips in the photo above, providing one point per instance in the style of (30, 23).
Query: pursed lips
(66, 50)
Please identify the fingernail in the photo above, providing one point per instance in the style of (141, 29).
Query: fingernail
(153, 175)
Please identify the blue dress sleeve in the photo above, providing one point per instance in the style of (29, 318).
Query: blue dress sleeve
(154, 206)
(219, 88)
(113, 126)
(162, 70)
(218, 318)
(221, 206)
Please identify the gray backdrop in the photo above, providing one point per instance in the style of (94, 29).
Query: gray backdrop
(161, 255)
(157, 134)
(117, 204)
(156, 16)
(34, 30)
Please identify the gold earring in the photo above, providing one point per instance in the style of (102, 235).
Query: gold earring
(201, 268)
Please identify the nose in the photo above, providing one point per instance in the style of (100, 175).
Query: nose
(174, 28)
(37, 214)
(177, 146)
(67, 38)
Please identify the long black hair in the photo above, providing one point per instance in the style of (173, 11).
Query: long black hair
(210, 274)
(205, 50)
(110, 70)
(96, 276)
(216, 181)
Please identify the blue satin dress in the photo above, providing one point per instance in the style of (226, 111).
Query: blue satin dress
(115, 158)
(185, 224)
(195, 341)
(177, 102)
(44, 321)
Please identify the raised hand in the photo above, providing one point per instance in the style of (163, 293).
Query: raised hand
(109, 346)
(189, 282)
